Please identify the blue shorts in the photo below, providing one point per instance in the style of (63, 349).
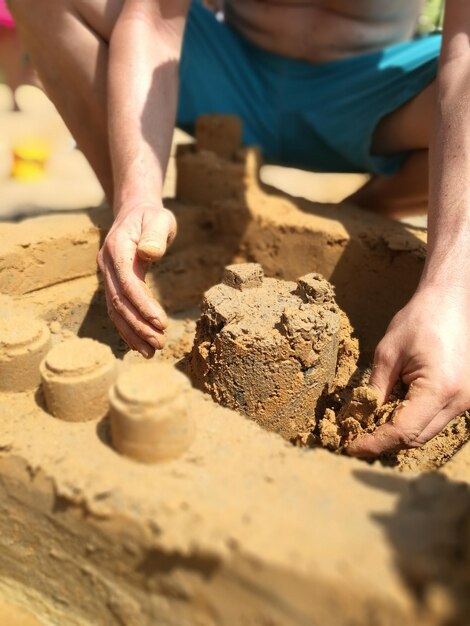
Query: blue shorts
(316, 116)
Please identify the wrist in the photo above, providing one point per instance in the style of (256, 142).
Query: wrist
(443, 283)
(124, 207)
(137, 188)
(448, 253)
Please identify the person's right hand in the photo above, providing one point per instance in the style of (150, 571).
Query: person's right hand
(138, 235)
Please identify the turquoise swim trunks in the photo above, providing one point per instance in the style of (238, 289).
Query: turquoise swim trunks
(315, 116)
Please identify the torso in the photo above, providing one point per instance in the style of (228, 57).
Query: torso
(323, 30)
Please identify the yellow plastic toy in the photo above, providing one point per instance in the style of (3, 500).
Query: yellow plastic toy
(29, 159)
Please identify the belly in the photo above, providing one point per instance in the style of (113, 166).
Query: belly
(323, 30)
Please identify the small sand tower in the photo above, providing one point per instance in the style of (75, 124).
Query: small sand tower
(268, 348)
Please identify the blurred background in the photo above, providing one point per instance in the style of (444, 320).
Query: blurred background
(41, 169)
(432, 16)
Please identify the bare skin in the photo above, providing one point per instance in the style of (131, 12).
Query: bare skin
(100, 61)
(323, 30)
(14, 62)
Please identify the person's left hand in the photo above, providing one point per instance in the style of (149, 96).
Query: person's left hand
(428, 345)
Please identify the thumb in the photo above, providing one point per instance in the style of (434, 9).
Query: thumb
(411, 426)
(385, 372)
(158, 231)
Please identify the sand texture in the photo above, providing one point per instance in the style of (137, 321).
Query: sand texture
(267, 348)
(358, 411)
(239, 526)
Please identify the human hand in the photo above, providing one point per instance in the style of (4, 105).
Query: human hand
(138, 235)
(428, 345)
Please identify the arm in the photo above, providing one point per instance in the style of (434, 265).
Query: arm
(142, 97)
(428, 342)
(449, 211)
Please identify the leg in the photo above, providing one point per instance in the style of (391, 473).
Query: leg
(68, 43)
(13, 61)
(408, 128)
(403, 194)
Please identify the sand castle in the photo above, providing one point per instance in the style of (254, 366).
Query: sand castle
(129, 497)
(24, 341)
(76, 376)
(151, 418)
(268, 348)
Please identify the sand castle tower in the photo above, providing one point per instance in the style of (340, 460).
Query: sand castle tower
(268, 348)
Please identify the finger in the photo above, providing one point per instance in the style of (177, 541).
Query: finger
(385, 373)
(158, 231)
(131, 316)
(124, 309)
(128, 335)
(406, 429)
(385, 438)
(130, 275)
(437, 425)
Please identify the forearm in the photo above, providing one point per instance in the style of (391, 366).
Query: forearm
(448, 259)
(427, 344)
(142, 96)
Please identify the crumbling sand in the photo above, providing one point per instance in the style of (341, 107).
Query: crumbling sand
(268, 348)
(357, 410)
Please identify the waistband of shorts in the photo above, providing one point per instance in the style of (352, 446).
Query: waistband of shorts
(287, 66)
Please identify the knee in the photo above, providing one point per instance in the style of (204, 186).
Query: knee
(48, 18)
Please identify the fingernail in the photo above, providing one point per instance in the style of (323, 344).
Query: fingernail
(147, 353)
(156, 321)
(156, 342)
(149, 251)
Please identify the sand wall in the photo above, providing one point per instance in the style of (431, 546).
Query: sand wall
(242, 528)
(373, 263)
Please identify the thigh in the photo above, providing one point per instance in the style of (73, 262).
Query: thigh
(47, 15)
(220, 72)
(380, 105)
(409, 127)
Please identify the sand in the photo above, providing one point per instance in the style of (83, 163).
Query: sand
(76, 375)
(355, 410)
(24, 341)
(240, 526)
(219, 134)
(150, 413)
(267, 348)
